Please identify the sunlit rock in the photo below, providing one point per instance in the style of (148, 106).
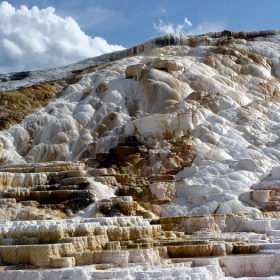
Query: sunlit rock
(136, 72)
(136, 163)
(168, 65)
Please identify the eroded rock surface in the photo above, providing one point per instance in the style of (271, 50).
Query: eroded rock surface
(161, 161)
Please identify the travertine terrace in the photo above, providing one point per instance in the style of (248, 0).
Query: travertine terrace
(160, 161)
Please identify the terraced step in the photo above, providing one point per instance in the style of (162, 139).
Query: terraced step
(54, 196)
(198, 250)
(39, 255)
(43, 167)
(118, 257)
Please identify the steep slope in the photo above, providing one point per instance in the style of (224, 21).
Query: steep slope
(217, 95)
(178, 126)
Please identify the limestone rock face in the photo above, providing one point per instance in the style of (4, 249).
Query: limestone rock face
(160, 161)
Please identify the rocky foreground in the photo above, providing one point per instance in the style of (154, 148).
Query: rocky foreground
(161, 161)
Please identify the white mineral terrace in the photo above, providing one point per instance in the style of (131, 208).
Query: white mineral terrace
(157, 162)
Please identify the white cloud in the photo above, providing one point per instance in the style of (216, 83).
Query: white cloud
(166, 28)
(187, 27)
(161, 27)
(11, 49)
(187, 22)
(37, 39)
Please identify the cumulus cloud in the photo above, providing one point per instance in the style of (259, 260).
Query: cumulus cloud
(33, 39)
(186, 27)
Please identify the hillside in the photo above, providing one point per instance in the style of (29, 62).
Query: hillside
(158, 154)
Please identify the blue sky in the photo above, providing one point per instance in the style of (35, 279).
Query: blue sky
(107, 25)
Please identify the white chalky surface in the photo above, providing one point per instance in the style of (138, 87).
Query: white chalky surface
(236, 133)
(237, 143)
